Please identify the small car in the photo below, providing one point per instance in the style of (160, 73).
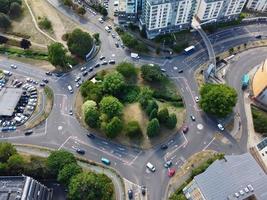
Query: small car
(13, 66)
(42, 84)
(104, 62)
(143, 190)
(168, 164)
(105, 161)
(83, 69)
(193, 117)
(180, 71)
(90, 135)
(48, 73)
(80, 151)
(84, 73)
(102, 57)
(130, 193)
(70, 112)
(91, 69)
(111, 62)
(77, 78)
(185, 129)
(97, 65)
(45, 81)
(29, 132)
(197, 99)
(220, 126)
(164, 147)
(171, 172)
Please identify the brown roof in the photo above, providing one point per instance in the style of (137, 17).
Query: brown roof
(259, 82)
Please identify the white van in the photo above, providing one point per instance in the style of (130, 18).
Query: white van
(150, 167)
(7, 73)
(70, 89)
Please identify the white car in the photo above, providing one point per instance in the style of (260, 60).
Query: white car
(220, 126)
(197, 99)
(13, 66)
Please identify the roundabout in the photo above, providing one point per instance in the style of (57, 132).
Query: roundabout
(63, 131)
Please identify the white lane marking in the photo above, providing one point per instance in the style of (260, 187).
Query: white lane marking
(70, 137)
(135, 158)
(208, 144)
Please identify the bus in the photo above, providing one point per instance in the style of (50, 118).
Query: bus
(105, 161)
(245, 81)
(189, 50)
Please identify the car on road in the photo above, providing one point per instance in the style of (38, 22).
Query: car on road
(48, 73)
(168, 164)
(101, 20)
(97, 65)
(180, 71)
(77, 78)
(258, 36)
(197, 99)
(90, 135)
(85, 73)
(102, 57)
(111, 62)
(163, 70)
(220, 126)
(185, 129)
(171, 172)
(150, 167)
(104, 62)
(70, 112)
(193, 117)
(80, 151)
(13, 66)
(45, 81)
(29, 132)
(83, 69)
(117, 44)
(143, 190)
(164, 147)
(113, 35)
(105, 161)
(42, 84)
(130, 193)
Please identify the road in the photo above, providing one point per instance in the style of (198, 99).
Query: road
(62, 131)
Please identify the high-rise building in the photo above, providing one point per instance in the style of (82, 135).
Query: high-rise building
(257, 5)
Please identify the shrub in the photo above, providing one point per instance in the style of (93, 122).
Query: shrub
(171, 121)
(153, 128)
(152, 73)
(87, 105)
(131, 94)
(163, 115)
(127, 70)
(45, 23)
(114, 127)
(153, 114)
(92, 117)
(133, 129)
(111, 106)
(4, 21)
(15, 9)
(152, 104)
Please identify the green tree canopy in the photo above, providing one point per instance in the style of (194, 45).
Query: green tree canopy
(57, 54)
(163, 115)
(15, 164)
(4, 20)
(67, 172)
(92, 91)
(111, 106)
(15, 9)
(87, 105)
(153, 114)
(127, 70)
(152, 104)
(90, 186)
(81, 10)
(133, 129)
(113, 83)
(153, 128)
(92, 117)
(4, 6)
(217, 99)
(114, 127)
(80, 43)
(144, 96)
(152, 73)
(171, 121)
(6, 150)
(58, 159)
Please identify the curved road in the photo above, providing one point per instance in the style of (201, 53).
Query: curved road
(64, 131)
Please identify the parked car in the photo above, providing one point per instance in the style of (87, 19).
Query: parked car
(220, 126)
(105, 161)
(164, 147)
(171, 172)
(29, 132)
(48, 73)
(193, 118)
(185, 129)
(168, 164)
(130, 193)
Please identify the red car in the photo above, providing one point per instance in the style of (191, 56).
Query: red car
(171, 172)
(185, 129)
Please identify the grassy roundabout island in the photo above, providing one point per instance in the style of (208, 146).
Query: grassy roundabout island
(134, 106)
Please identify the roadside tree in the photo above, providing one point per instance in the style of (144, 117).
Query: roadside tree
(57, 54)
(217, 99)
(15, 164)
(127, 70)
(81, 11)
(152, 73)
(113, 83)
(25, 44)
(6, 150)
(67, 172)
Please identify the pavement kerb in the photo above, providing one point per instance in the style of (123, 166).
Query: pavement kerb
(78, 158)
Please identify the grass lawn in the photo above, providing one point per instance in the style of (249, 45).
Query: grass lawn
(259, 120)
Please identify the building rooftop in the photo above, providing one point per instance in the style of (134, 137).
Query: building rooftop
(9, 98)
(259, 82)
(236, 177)
(22, 187)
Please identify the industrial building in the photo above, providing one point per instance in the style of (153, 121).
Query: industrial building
(23, 188)
(236, 177)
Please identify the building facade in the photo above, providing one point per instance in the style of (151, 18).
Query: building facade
(257, 5)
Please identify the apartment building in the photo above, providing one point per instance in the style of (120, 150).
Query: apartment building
(166, 16)
(257, 5)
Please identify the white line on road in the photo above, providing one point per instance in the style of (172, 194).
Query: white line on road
(70, 137)
(208, 144)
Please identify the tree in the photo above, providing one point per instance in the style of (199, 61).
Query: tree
(96, 36)
(152, 73)
(153, 128)
(127, 70)
(171, 121)
(4, 20)
(67, 2)
(37, 168)
(152, 104)
(87, 105)
(3, 39)
(90, 186)
(144, 96)
(25, 44)
(114, 127)
(6, 150)
(80, 43)
(45, 23)
(153, 114)
(92, 117)
(15, 10)
(104, 12)
(111, 106)
(217, 99)
(15, 164)
(92, 91)
(81, 10)
(113, 83)
(163, 115)
(67, 172)
(128, 40)
(4, 6)
(58, 159)
(133, 129)
(57, 54)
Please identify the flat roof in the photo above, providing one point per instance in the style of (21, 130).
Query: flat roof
(9, 98)
(259, 82)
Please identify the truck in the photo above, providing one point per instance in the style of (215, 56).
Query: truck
(245, 81)
(135, 55)
(189, 50)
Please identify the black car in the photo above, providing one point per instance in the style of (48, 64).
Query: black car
(90, 135)
(130, 194)
(29, 132)
(97, 65)
(143, 190)
(84, 73)
(91, 69)
(258, 37)
(45, 81)
(180, 71)
(48, 73)
(59, 74)
(80, 151)
(42, 84)
(164, 146)
(117, 45)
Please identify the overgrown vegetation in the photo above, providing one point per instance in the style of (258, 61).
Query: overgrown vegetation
(259, 120)
(75, 7)
(45, 23)
(178, 194)
(9, 9)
